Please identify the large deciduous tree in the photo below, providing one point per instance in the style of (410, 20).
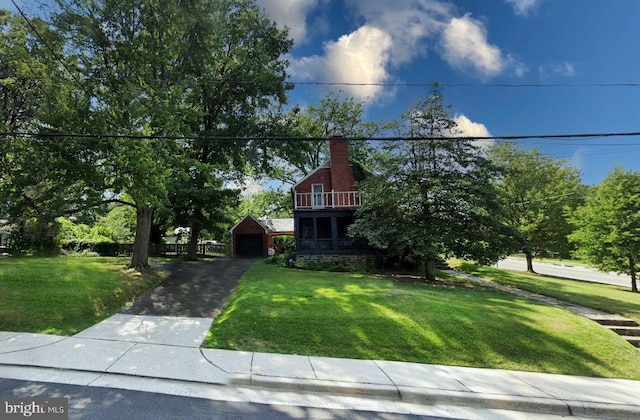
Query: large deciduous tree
(608, 225)
(289, 161)
(157, 67)
(538, 192)
(432, 198)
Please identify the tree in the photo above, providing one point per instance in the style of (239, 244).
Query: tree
(608, 225)
(289, 161)
(538, 193)
(274, 204)
(158, 67)
(432, 198)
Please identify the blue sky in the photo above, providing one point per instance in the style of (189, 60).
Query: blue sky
(483, 43)
(480, 43)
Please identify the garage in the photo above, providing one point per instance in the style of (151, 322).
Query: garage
(249, 238)
(249, 246)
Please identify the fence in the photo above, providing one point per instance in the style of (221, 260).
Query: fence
(173, 250)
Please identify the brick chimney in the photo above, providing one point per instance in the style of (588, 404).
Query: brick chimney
(342, 178)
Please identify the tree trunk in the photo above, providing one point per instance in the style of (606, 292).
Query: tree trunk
(529, 256)
(632, 266)
(192, 246)
(140, 257)
(430, 270)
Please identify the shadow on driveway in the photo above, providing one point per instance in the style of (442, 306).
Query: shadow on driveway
(197, 289)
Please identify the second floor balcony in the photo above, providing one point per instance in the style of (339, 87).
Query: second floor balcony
(326, 200)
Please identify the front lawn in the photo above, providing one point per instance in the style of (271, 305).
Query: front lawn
(291, 311)
(64, 295)
(607, 298)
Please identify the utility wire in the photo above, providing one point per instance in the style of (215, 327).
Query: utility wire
(301, 138)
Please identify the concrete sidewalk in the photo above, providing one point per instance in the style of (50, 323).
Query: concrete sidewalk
(128, 348)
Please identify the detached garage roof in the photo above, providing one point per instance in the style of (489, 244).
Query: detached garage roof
(277, 225)
(269, 225)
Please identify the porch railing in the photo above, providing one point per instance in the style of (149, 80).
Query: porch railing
(327, 200)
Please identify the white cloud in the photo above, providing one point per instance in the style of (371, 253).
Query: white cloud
(361, 57)
(395, 33)
(523, 7)
(466, 48)
(291, 14)
(549, 71)
(467, 128)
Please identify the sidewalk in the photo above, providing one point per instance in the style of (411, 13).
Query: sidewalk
(127, 348)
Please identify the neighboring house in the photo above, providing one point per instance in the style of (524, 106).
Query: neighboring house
(252, 237)
(325, 202)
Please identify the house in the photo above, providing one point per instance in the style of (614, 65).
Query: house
(325, 202)
(252, 237)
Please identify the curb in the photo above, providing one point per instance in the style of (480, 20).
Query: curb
(427, 396)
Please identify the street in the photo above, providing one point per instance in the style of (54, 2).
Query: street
(88, 402)
(566, 271)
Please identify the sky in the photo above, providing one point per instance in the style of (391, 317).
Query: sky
(570, 47)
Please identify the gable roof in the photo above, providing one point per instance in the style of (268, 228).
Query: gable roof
(278, 225)
(269, 225)
(249, 216)
(326, 165)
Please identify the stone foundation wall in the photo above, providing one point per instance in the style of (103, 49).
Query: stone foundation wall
(349, 259)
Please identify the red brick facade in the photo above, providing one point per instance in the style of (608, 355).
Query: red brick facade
(342, 178)
(335, 176)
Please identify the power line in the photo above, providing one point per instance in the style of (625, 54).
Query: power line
(403, 84)
(472, 85)
(301, 138)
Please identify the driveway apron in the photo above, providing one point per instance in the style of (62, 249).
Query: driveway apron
(195, 290)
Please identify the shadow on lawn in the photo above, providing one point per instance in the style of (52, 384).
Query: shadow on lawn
(490, 329)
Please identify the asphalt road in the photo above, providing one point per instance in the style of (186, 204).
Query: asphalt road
(567, 271)
(95, 403)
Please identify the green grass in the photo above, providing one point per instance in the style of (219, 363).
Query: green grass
(367, 317)
(607, 298)
(64, 295)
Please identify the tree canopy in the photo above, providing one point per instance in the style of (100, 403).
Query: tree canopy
(125, 67)
(538, 193)
(608, 225)
(431, 199)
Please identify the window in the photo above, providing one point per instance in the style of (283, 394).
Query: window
(317, 192)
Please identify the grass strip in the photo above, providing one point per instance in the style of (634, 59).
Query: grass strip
(607, 298)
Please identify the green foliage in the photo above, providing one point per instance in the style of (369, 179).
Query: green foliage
(433, 198)
(134, 68)
(274, 204)
(538, 193)
(608, 225)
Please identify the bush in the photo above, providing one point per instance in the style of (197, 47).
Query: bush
(282, 259)
(105, 249)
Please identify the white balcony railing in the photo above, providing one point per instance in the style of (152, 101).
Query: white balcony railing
(327, 200)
